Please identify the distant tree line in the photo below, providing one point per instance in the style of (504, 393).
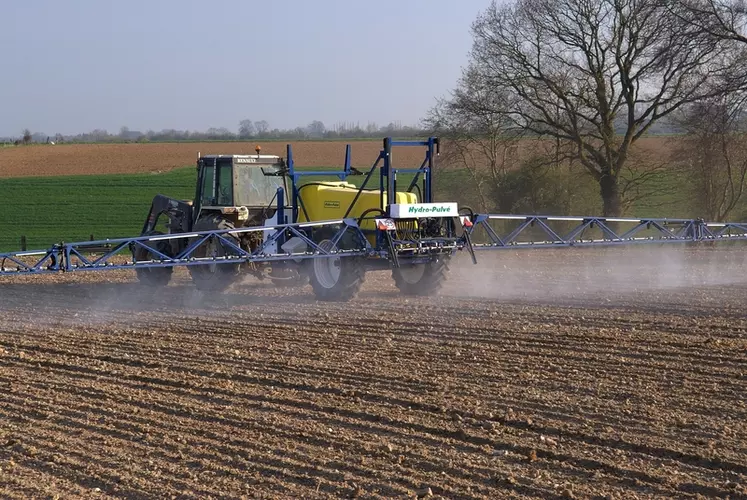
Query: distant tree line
(247, 130)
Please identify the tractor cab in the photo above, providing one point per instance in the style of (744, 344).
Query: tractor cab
(238, 186)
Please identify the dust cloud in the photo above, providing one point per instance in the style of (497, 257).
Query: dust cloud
(561, 274)
(555, 276)
(93, 300)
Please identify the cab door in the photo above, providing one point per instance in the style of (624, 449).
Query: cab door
(217, 183)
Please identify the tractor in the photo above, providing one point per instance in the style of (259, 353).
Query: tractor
(413, 239)
(232, 191)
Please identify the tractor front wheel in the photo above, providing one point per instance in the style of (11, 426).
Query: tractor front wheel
(214, 277)
(335, 278)
(421, 279)
(152, 276)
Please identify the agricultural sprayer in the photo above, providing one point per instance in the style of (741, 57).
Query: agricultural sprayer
(259, 214)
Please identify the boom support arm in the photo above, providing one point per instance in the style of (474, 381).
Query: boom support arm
(178, 212)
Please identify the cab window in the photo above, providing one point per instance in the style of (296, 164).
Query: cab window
(207, 186)
(225, 185)
(220, 194)
(255, 188)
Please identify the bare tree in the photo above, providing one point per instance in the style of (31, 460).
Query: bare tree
(714, 154)
(246, 129)
(595, 75)
(26, 138)
(262, 127)
(724, 19)
(316, 129)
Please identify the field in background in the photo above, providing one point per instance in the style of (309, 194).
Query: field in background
(72, 191)
(87, 159)
(73, 159)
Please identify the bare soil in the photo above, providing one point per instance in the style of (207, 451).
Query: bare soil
(535, 375)
(74, 159)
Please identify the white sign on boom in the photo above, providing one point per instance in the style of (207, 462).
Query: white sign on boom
(416, 210)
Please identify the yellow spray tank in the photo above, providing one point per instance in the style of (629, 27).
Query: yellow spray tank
(330, 200)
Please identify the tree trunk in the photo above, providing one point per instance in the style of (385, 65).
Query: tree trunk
(611, 201)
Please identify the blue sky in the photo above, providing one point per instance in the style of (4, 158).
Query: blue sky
(70, 67)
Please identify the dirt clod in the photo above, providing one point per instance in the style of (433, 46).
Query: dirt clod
(568, 493)
(424, 492)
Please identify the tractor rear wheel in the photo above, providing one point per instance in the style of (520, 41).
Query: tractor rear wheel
(214, 277)
(421, 279)
(336, 278)
(153, 276)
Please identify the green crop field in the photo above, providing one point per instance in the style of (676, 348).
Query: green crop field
(72, 208)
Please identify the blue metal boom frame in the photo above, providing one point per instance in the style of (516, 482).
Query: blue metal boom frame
(629, 231)
(387, 180)
(387, 173)
(69, 257)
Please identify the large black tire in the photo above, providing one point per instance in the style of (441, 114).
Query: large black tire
(422, 279)
(335, 278)
(153, 276)
(214, 277)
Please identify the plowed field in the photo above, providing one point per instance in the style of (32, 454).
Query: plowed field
(73, 159)
(605, 374)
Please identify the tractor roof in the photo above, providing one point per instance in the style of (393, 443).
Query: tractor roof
(256, 158)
